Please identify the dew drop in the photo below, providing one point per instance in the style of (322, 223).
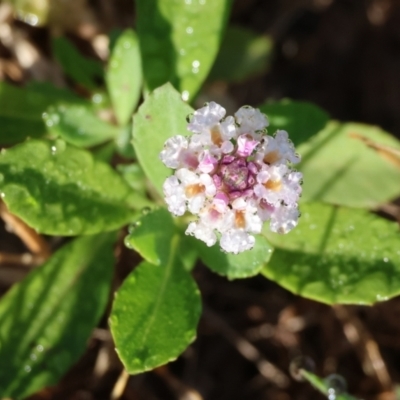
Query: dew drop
(189, 118)
(385, 259)
(336, 386)
(97, 98)
(39, 348)
(185, 95)
(189, 30)
(27, 368)
(299, 364)
(146, 210)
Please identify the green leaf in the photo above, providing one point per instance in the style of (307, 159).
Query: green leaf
(234, 266)
(82, 70)
(151, 236)
(338, 255)
(46, 319)
(155, 314)
(323, 386)
(179, 41)
(133, 175)
(61, 190)
(340, 169)
(78, 125)
(162, 115)
(243, 54)
(21, 109)
(124, 75)
(300, 119)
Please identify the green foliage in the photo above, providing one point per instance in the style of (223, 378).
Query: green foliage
(337, 255)
(155, 313)
(78, 125)
(243, 265)
(162, 115)
(179, 41)
(300, 119)
(47, 318)
(151, 236)
(124, 75)
(21, 109)
(61, 190)
(242, 55)
(323, 386)
(80, 69)
(340, 169)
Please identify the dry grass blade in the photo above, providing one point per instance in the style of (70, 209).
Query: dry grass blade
(389, 153)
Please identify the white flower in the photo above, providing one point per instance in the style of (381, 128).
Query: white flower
(174, 196)
(232, 177)
(195, 188)
(210, 131)
(236, 241)
(284, 219)
(251, 120)
(277, 150)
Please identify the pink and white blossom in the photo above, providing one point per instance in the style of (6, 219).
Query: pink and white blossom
(233, 177)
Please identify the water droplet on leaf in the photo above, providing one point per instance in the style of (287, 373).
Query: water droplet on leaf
(146, 210)
(336, 384)
(299, 364)
(185, 95)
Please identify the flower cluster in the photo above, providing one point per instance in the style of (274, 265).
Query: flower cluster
(232, 176)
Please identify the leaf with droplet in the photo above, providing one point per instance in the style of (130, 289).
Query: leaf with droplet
(162, 115)
(59, 189)
(21, 109)
(242, 54)
(340, 169)
(88, 72)
(155, 313)
(299, 118)
(179, 41)
(151, 236)
(323, 386)
(337, 255)
(235, 266)
(46, 319)
(78, 125)
(124, 75)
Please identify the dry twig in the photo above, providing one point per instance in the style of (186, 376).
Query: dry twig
(268, 370)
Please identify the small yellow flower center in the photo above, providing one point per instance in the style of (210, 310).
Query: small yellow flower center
(271, 157)
(194, 190)
(240, 221)
(216, 136)
(276, 186)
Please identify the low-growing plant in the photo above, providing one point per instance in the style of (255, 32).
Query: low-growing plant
(58, 175)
